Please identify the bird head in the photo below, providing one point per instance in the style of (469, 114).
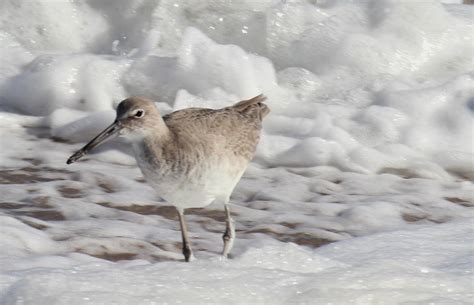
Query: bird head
(136, 117)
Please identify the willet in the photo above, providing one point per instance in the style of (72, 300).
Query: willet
(191, 157)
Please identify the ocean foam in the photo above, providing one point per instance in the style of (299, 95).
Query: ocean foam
(368, 145)
(349, 111)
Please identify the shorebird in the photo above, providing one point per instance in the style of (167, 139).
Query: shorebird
(191, 157)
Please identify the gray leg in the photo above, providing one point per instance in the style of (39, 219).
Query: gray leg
(187, 252)
(229, 233)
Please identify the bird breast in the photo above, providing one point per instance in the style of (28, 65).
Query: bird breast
(189, 177)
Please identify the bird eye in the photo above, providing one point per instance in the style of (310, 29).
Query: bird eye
(139, 113)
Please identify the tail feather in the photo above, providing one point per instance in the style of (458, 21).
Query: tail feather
(254, 100)
(249, 105)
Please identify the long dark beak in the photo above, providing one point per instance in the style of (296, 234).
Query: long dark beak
(101, 137)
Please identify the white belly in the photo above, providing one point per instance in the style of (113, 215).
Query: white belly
(211, 180)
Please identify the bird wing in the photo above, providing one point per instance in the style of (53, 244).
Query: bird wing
(235, 128)
(247, 107)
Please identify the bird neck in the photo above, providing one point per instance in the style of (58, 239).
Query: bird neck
(159, 132)
(156, 136)
(151, 148)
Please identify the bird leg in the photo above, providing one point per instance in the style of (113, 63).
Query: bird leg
(229, 233)
(187, 252)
